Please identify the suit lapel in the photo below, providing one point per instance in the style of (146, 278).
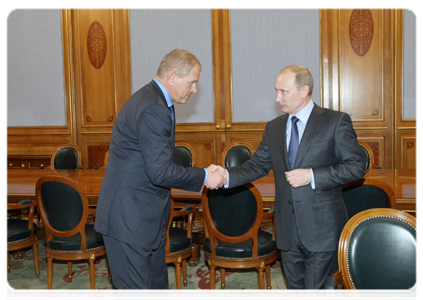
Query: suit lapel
(281, 140)
(313, 125)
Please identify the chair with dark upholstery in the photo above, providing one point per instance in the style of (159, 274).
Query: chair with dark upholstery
(66, 156)
(377, 250)
(366, 194)
(64, 210)
(233, 236)
(179, 241)
(22, 233)
(236, 154)
(184, 155)
(370, 158)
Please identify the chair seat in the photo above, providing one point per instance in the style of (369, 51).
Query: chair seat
(18, 230)
(73, 243)
(266, 245)
(178, 239)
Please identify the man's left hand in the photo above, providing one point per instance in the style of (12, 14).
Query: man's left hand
(298, 177)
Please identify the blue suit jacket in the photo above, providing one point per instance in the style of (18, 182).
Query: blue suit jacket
(133, 205)
(329, 146)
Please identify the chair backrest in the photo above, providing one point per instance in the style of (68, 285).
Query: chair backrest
(66, 156)
(63, 207)
(106, 158)
(184, 154)
(377, 250)
(366, 194)
(235, 212)
(236, 154)
(370, 158)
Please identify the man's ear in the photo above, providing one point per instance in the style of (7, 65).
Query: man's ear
(304, 90)
(170, 77)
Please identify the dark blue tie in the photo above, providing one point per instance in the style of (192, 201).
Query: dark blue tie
(294, 143)
(173, 113)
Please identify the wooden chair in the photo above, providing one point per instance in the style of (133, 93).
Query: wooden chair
(366, 194)
(377, 250)
(233, 239)
(184, 154)
(370, 158)
(106, 159)
(179, 242)
(64, 209)
(236, 154)
(66, 156)
(21, 233)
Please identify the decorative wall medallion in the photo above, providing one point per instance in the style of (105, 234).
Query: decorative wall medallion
(361, 31)
(96, 45)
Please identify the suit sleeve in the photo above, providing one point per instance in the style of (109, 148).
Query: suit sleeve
(258, 166)
(350, 158)
(154, 132)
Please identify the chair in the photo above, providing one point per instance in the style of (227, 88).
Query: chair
(370, 158)
(233, 239)
(184, 155)
(179, 242)
(66, 156)
(366, 194)
(64, 210)
(377, 250)
(22, 233)
(236, 154)
(106, 158)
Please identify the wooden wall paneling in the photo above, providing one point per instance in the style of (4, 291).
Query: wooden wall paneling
(406, 149)
(43, 140)
(357, 71)
(101, 53)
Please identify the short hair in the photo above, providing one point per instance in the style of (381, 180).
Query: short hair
(302, 77)
(178, 60)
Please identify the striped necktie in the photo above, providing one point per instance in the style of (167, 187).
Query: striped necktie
(294, 143)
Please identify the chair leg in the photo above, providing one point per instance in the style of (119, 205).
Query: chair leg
(184, 272)
(260, 278)
(35, 252)
(92, 271)
(49, 272)
(212, 276)
(178, 275)
(8, 262)
(70, 271)
(268, 278)
(222, 278)
(108, 270)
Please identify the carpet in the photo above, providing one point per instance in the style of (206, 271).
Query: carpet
(22, 274)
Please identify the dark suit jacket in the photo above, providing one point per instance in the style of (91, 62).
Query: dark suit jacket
(329, 146)
(133, 205)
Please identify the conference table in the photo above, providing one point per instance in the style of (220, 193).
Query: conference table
(21, 184)
(280, 296)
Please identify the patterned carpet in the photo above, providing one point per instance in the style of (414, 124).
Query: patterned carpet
(22, 274)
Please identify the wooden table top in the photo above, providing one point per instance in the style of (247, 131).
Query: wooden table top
(287, 296)
(21, 182)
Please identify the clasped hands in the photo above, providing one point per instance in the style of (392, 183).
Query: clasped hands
(217, 177)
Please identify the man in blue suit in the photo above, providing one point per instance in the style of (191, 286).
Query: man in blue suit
(313, 151)
(133, 205)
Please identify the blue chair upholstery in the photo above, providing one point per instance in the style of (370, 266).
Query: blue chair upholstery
(377, 250)
(64, 210)
(233, 236)
(22, 233)
(66, 156)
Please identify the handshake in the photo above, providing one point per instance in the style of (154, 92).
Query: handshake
(217, 177)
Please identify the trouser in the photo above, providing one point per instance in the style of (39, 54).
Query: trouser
(136, 267)
(305, 269)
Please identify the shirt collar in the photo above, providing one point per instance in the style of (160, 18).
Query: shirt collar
(165, 92)
(304, 113)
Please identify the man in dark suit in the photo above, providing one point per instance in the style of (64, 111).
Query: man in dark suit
(133, 205)
(312, 152)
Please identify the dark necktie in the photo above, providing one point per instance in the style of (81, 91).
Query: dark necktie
(173, 113)
(294, 143)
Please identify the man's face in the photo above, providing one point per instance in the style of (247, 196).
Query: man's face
(290, 99)
(182, 88)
